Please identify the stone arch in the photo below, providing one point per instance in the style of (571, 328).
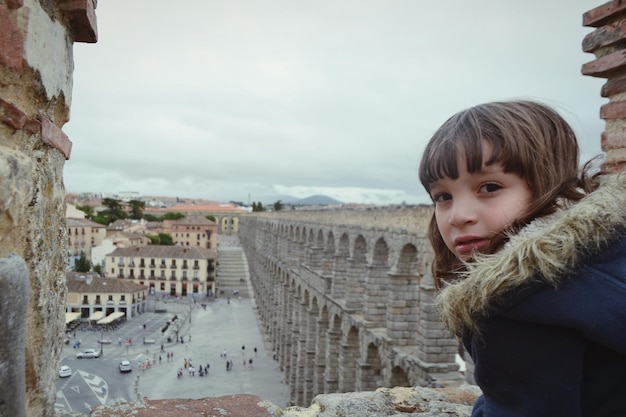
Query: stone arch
(355, 285)
(371, 370)
(377, 286)
(348, 360)
(333, 347)
(398, 378)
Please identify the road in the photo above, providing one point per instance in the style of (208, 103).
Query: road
(217, 327)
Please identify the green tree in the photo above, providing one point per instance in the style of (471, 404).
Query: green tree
(154, 239)
(257, 206)
(278, 206)
(136, 209)
(211, 217)
(173, 216)
(166, 239)
(114, 211)
(98, 268)
(88, 210)
(82, 264)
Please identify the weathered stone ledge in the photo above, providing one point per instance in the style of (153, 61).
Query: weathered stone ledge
(399, 401)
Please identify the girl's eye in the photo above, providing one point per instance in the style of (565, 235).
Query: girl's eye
(490, 188)
(441, 197)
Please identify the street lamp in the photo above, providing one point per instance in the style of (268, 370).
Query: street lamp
(101, 342)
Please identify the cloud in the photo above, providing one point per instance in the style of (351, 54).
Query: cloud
(238, 100)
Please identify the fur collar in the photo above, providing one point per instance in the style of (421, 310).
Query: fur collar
(548, 248)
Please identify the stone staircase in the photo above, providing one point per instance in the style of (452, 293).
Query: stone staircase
(231, 269)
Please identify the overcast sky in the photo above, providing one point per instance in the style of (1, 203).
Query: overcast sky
(252, 100)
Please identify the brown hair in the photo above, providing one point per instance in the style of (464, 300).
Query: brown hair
(529, 139)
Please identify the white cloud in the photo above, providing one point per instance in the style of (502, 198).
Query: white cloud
(238, 100)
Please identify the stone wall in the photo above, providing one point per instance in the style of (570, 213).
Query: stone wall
(36, 66)
(346, 299)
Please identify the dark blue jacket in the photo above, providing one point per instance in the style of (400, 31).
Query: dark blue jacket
(544, 320)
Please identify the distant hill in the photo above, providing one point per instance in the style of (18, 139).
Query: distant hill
(315, 200)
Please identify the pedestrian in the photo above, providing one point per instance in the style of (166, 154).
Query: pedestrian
(250, 361)
(255, 351)
(529, 260)
(243, 350)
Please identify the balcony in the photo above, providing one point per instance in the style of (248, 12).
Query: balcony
(185, 266)
(152, 265)
(142, 264)
(173, 265)
(120, 263)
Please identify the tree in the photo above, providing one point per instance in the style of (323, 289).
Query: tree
(166, 239)
(115, 211)
(88, 210)
(154, 239)
(174, 215)
(211, 217)
(257, 206)
(278, 206)
(82, 264)
(136, 209)
(98, 268)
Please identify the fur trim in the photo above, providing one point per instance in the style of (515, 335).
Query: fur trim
(547, 249)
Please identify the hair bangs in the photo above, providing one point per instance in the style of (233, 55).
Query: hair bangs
(460, 137)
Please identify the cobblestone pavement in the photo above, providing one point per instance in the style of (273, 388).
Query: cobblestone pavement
(217, 327)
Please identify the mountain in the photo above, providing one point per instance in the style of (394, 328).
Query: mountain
(315, 200)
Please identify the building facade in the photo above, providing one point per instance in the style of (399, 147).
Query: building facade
(166, 270)
(88, 294)
(192, 230)
(83, 234)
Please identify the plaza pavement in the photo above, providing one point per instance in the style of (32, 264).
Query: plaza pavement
(221, 325)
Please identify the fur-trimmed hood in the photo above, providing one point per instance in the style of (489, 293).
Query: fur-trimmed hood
(548, 249)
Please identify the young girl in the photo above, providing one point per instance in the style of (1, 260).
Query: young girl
(530, 258)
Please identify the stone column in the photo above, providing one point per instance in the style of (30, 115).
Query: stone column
(321, 330)
(606, 43)
(331, 372)
(403, 312)
(376, 296)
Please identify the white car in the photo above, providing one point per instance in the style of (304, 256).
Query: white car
(65, 371)
(125, 366)
(88, 354)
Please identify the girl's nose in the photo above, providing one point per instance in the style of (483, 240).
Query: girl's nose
(462, 214)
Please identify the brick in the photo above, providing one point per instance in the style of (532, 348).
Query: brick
(613, 110)
(81, 15)
(604, 66)
(615, 139)
(600, 15)
(11, 115)
(55, 137)
(613, 87)
(11, 42)
(605, 36)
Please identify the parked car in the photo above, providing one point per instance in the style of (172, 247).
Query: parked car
(125, 366)
(88, 354)
(65, 371)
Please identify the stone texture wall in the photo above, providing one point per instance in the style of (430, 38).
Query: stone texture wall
(36, 66)
(354, 283)
(607, 42)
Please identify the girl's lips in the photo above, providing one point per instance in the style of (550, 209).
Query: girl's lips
(467, 246)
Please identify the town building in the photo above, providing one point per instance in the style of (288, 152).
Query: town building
(227, 215)
(167, 270)
(192, 230)
(83, 234)
(91, 296)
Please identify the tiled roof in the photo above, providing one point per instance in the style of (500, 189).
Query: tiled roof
(208, 208)
(79, 222)
(162, 251)
(194, 220)
(76, 284)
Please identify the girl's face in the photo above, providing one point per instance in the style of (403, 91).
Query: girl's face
(473, 208)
